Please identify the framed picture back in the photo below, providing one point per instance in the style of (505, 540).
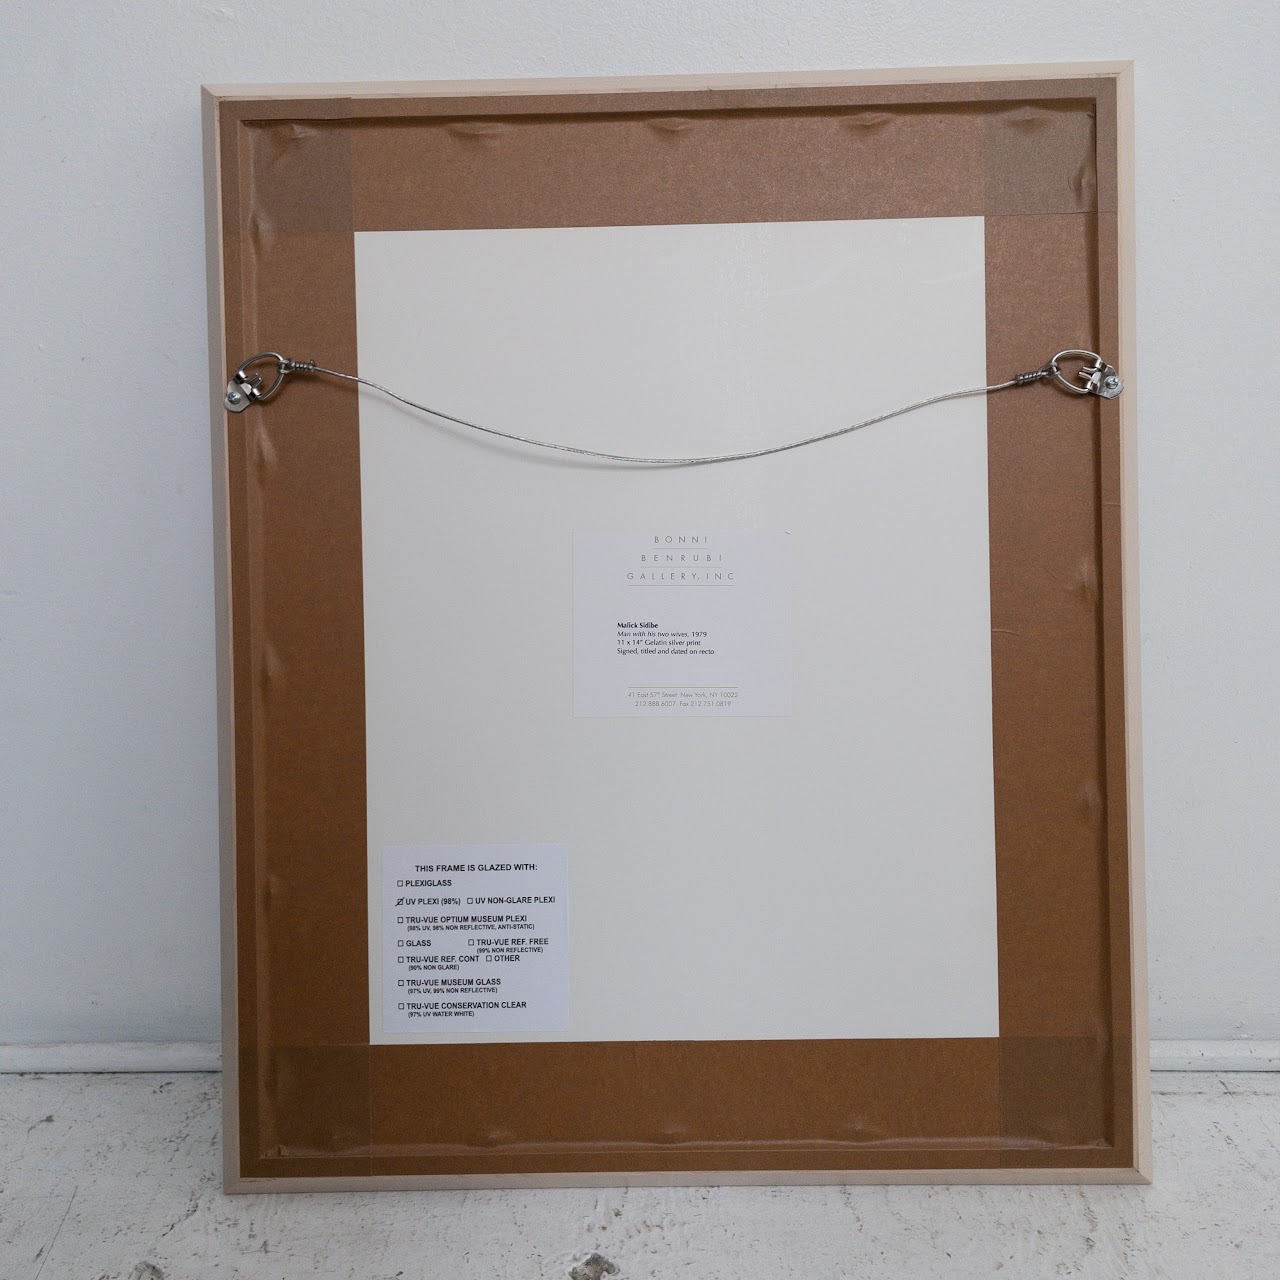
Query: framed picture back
(595, 821)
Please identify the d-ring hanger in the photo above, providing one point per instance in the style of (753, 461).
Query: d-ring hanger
(246, 388)
(1098, 377)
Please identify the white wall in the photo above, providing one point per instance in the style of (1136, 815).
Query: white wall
(108, 901)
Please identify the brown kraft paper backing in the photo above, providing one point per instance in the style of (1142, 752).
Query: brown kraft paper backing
(1055, 1091)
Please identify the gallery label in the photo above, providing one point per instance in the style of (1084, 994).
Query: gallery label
(682, 623)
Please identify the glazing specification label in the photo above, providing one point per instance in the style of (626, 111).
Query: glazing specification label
(475, 938)
(681, 623)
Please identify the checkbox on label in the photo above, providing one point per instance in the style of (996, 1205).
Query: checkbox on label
(399, 1006)
(399, 959)
(399, 884)
(400, 943)
(400, 983)
(399, 919)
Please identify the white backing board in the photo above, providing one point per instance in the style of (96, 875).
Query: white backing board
(824, 873)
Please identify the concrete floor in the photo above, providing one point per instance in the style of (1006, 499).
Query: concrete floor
(115, 1177)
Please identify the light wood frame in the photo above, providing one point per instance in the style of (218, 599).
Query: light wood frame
(1122, 75)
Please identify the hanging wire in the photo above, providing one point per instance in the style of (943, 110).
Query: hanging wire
(1098, 378)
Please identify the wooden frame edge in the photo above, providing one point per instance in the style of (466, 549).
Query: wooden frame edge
(221, 531)
(1126, 240)
(661, 83)
(716, 1178)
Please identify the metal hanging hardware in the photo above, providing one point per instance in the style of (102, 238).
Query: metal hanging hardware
(1093, 377)
(245, 387)
(1099, 378)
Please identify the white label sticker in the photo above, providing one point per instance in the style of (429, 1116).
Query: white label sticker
(475, 938)
(681, 624)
